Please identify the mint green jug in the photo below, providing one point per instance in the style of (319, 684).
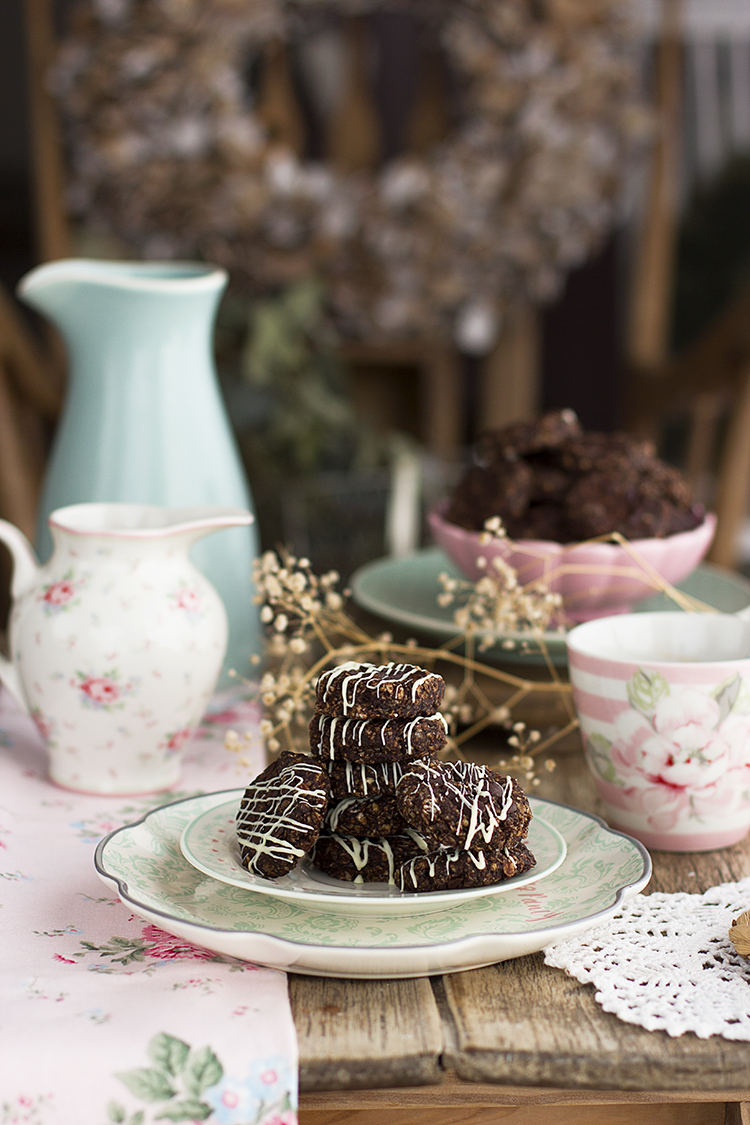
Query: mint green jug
(143, 419)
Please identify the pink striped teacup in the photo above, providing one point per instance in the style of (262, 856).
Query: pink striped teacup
(664, 705)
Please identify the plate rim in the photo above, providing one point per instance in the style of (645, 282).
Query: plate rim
(300, 948)
(552, 638)
(292, 895)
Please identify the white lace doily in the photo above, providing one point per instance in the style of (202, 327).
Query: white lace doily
(665, 962)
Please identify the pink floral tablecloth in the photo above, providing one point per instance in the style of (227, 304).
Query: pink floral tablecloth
(104, 1018)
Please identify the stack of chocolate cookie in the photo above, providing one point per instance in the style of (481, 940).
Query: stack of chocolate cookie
(374, 803)
(371, 721)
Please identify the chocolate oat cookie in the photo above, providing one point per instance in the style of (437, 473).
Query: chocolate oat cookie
(454, 868)
(281, 814)
(522, 438)
(373, 860)
(376, 740)
(368, 816)
(363, 779)
(463, 805)
(549, 480)
(475, 498)
(372, 691)
(640, 505)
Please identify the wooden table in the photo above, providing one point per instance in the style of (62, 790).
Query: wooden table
(498, 1043)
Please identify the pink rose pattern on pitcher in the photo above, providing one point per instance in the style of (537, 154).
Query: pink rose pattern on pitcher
(62, 595)
(104, 692)
(680, 753)
(188, 599)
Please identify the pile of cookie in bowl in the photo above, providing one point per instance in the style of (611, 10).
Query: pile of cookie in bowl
(373, 802)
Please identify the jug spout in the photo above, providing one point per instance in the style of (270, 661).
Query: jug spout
(76, 293)
(142, 522)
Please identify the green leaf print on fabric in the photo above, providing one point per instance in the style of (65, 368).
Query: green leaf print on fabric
(148, 1084)
(178, 1078)
(169, 1053)
(117, 1113)
(203, 1070)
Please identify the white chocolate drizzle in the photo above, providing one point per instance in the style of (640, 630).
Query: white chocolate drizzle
(265, 814)
(359, 850)
(336, 731)
(463, 789)
(438, 862)
(353, 676)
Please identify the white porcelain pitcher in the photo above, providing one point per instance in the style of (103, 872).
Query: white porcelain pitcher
(117, 641)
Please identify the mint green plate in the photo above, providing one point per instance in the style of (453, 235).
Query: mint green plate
(209, 843)
(404, 590)
(143, 864)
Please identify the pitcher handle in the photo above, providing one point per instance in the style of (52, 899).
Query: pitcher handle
(25, 570)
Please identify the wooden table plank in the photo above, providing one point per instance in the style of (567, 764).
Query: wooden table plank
(521, 1022)
(358, 1034)
(683, 1114)
(460, 1103)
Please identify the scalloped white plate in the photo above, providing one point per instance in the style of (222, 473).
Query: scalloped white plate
(143, 864)
(209, 843)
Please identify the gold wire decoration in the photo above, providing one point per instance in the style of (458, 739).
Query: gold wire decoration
(309, 629)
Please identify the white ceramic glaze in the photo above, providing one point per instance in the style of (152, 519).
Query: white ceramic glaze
(664, 705)
(117, 641)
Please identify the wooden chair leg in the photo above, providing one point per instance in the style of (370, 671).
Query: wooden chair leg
(19, 480)
(705, 414)
(510, 373)
(733, 494)
(35, 377)
(737, 1113)
(52, 231)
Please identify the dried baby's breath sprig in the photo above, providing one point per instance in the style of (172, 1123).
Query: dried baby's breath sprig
(309, 629)
(498, 603)
(243, 745)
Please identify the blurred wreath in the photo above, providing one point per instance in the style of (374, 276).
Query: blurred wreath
(169, 150)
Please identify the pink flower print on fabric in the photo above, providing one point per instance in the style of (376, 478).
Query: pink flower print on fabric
(681, 751)
(103, 692)
(263, 1095)
(164, 947)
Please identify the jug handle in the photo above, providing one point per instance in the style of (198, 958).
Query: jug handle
(25, 571)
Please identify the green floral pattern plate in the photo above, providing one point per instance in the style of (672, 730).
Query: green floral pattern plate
(209, 843)
(144, 864)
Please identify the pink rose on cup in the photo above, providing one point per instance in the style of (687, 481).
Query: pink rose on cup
(685, 750)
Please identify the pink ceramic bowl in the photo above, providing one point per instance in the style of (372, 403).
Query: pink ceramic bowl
(595, 579)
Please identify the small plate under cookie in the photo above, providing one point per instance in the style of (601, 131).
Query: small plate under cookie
(209, 843)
